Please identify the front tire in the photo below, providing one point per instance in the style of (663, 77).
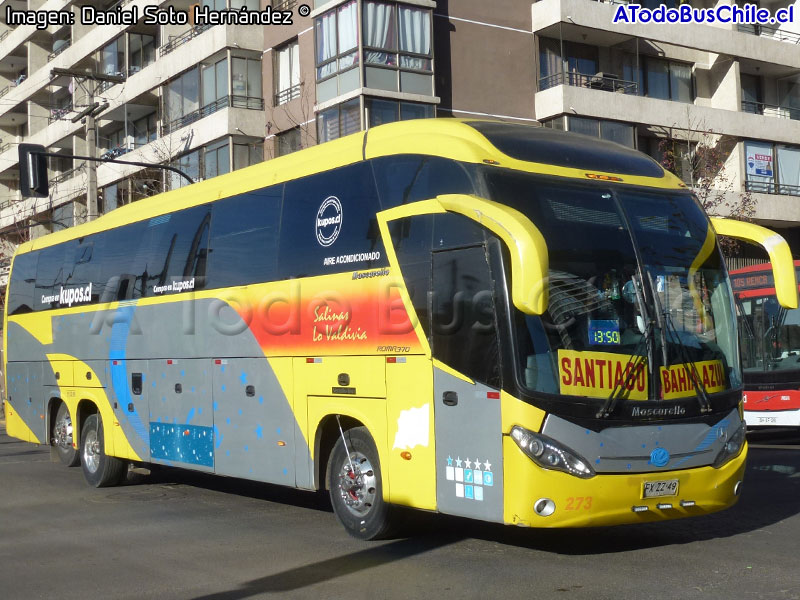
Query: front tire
(63, 439)
(356, 488)
(99, 469)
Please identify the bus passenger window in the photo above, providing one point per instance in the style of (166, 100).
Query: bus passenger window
(23, 279)
(245, 226)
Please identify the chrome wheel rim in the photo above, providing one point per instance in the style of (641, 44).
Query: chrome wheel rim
(91, 452)
(357, 484)
(63, 433)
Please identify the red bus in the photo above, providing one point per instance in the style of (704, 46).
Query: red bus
(770, 346)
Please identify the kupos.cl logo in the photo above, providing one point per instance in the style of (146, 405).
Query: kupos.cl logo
(70, 296)
(329, 221)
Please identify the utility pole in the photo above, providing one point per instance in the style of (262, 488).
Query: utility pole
(91, 129)
(91, 166)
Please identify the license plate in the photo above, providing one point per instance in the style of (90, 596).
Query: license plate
(653, 489)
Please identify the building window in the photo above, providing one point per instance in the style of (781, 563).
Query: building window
(216, 160)
(397, 48)
(145, 130)
(765, 176)
(142, 48)
(287, 73)
(381, 110)
(613, 131)
(577, 67)
(183, 97)
(245, 155)
(338, 121)
(109, 198)
(112, 57)
(660, 78)
(674, 155)
(215, 83)
(287, 142)
(246, 83)
(63, 216)
(336, 34)
(189, 164)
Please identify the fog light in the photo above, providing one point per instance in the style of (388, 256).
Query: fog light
(687, 503)
(737, 489)
(663, 506)
(544, 507)
(640, 509)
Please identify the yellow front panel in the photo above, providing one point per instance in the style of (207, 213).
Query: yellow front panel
(608, 499)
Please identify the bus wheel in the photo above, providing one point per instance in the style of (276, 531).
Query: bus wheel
(356, 491)
(99, 469)
(62, 437)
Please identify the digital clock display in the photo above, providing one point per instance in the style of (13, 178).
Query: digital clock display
(604, 332)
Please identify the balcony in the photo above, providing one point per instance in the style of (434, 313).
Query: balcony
(600, 81)
(770, 32)
(180, 40)
(770, 187)
(287, 95)
(247, 102)
(770, 110)
(65, 175)
(58, 49)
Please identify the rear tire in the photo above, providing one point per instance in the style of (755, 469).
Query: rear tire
(356, 488)
(99, 469)
(63, 439)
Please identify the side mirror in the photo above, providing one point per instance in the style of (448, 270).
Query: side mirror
(779, 254)
(33, 171)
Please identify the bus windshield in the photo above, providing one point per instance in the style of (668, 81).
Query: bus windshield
(640, 303)
(770, 335)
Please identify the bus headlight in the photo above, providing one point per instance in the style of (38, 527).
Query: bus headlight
(549, 454)
(732, 448)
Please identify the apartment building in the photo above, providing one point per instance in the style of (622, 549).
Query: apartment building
(172, 94)
(660, 88)
(214, 99)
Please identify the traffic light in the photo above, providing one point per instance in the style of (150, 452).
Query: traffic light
(33, 171)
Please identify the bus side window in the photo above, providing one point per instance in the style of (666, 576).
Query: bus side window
(122, 270)
(406, 179)
(464, 328)
(173, 250)
(412, 239)
(244, 238)
(328, 226)
(23, 280)
(52, 272)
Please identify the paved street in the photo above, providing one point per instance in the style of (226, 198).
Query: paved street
(175, 534)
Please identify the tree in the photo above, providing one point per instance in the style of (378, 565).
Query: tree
(700, 158)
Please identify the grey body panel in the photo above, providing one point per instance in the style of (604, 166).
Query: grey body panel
(131, 410)
(179, 394)
(26, 393)
(137, 338)
(630, 449)
(248, 429)
(469, 450)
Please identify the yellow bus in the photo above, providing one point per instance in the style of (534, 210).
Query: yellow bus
(507, 323)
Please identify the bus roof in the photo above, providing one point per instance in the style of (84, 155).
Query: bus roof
(521, 147)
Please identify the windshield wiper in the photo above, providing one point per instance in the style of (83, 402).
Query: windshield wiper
(702, 395)
(635, 359)
(661, 316)
(665, 322)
